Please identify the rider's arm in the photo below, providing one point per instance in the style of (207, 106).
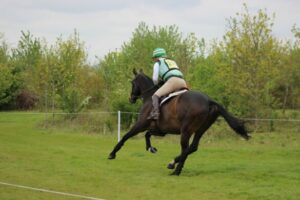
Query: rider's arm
(155, 76)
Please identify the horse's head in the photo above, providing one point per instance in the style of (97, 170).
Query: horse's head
(141, 84)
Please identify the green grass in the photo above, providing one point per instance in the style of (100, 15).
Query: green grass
(266, 167)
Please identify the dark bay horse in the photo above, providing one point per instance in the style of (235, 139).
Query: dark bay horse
(191, 113)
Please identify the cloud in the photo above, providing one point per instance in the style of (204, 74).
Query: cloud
(106, 25)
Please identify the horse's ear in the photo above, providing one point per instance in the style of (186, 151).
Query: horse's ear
(141, 71)
(134, 71)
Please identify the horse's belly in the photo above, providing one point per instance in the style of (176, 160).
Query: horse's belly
(170, 126)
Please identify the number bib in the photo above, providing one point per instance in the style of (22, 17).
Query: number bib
(171, 64)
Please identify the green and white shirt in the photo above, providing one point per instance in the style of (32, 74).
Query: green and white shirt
(164, 69)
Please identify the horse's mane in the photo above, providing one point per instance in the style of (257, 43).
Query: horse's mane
(147, 78)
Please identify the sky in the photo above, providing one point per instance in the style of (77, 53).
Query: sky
(105, 25)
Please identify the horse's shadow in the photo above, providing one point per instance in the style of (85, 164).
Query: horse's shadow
(192, 172)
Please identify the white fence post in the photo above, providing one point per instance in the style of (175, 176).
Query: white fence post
(119, 126)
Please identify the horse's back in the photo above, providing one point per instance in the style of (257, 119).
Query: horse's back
(194, 96)
(193, 102)
(187, 106)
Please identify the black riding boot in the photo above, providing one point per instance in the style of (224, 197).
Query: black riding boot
(155, 110)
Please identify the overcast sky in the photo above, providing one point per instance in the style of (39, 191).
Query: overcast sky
(106, 25)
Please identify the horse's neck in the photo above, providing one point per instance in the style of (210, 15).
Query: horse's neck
(148, 91)
(147, 87)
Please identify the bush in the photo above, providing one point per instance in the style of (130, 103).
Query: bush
(123, 105)
(26, 100)
(72, 102)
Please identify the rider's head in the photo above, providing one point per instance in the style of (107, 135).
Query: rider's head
(158, 53)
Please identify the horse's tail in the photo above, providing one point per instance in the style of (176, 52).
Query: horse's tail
(236, 124)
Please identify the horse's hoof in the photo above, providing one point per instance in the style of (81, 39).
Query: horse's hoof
(248, 137)
(152, 149)
(111, 156)
(171, 166)
(175, 173)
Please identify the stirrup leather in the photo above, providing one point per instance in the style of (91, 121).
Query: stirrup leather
(154, 115)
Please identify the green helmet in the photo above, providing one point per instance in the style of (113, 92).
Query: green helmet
(159, 52)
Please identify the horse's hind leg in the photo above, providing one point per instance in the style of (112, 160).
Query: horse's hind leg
(195, 143)
(192, 148)
(185, 137)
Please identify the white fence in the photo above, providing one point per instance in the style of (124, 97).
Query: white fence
(117, 122)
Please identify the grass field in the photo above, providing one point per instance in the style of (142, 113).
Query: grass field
(266, 167)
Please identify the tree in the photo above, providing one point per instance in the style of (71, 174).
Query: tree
(25, 59)
(294, 71)
(204, 74)
(253, 62)
(117, 66)
(288, 90)
(24, 62)
(6, 77)
(68, 61)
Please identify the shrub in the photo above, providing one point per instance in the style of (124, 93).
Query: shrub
(26, 100)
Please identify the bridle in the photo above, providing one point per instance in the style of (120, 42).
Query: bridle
(133, 96)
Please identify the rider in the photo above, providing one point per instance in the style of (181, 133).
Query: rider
(166, 71)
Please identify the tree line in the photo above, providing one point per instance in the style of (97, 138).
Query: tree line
(249, 70)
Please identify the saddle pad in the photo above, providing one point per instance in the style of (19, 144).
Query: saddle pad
(171, 95)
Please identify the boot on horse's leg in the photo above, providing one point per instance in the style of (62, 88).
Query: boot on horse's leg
(154, 115)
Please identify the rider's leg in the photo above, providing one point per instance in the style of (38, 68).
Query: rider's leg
(155, 109)
(171, 85)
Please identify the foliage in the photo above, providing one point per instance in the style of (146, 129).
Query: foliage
(116, 67)
(5, 83)
(205, 74)
(52, 74)
(250, 71)
(25, 100)
(130, 111)
(288, 89)
(244, 69)
(70, 59)
(254, 61)
(21, 64)
(6, 76)
(71, 101)
(25, 59)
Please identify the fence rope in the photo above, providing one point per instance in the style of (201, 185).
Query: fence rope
(136, 113)
(57, 113)
(271, 119)
(49, 191)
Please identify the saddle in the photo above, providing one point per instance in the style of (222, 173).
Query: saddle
(165, 99)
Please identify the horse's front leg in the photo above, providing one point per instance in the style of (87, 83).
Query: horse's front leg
(148, 143)
(137, 128)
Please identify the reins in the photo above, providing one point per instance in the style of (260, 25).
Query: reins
(146, 91)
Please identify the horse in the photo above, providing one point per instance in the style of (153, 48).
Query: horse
(189, 114)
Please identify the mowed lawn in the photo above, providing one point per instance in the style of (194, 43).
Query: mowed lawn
(266, 167)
